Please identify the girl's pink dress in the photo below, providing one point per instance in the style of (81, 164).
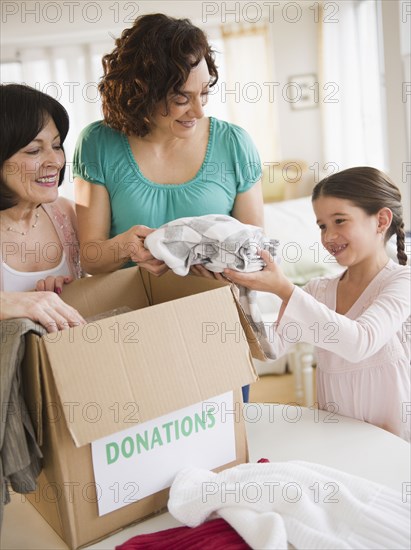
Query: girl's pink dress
(363, 357)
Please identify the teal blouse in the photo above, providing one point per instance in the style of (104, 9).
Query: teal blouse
(231, 166)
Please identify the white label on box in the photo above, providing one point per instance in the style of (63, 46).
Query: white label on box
(139, 461)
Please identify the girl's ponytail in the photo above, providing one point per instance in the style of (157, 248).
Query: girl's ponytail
(401, 255)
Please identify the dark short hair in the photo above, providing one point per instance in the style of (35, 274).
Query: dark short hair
(152, 58)
(24, 112)
(371, 190)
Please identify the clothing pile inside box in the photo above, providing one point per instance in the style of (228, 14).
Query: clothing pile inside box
(122, 403)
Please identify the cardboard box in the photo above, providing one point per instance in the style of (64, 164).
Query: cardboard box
(182, 344)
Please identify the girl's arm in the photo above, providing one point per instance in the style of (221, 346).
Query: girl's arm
(352, 339)
(316, 324)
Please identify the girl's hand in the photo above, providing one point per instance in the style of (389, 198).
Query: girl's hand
(45, 308)
(269, 279)
(53, 284)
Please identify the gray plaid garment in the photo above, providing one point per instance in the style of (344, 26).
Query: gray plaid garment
(217, 242)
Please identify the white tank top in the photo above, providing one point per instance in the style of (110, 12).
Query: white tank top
(23, 281)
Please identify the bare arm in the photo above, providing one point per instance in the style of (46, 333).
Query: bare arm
(45, 308)
(248, 206)
(99, 253)
(353, 339)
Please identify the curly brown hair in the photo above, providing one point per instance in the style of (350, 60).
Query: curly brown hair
(371, 190)
(151, 59)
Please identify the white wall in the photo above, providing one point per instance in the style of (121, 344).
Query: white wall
(395, 27)
(293, 31)
(53, 23)
(296, 53)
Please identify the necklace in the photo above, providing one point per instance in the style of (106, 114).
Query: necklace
(24, 233)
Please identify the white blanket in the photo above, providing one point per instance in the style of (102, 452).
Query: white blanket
(309, 505)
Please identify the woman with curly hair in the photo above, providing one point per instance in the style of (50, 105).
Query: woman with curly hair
(155, 157)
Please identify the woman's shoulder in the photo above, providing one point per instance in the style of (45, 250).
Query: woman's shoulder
(98, 130)
(63, 207)
(222, 127)
(233, 139)
(97, 145)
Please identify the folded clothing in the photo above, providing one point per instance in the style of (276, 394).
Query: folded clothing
(309, 505)
(216, 534)
(217, 242)
(214, 241)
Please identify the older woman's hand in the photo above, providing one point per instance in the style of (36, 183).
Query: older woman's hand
(53, 284)
(45, 308)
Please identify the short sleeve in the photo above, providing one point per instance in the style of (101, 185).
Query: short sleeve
(88, 159)
(247, 159)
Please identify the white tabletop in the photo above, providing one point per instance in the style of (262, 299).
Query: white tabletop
(276, 432)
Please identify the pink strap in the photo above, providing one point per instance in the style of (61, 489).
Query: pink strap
(68, 237)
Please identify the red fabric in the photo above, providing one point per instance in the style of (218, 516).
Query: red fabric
(216, 534)
(262, 460)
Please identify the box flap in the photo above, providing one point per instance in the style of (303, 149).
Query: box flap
(252, 339)
(140, 365)
(177, 287)
(170, 286)
(100, 293)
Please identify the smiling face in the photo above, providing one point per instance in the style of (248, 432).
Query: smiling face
(185, 109)
(32, 173)
(347, 231)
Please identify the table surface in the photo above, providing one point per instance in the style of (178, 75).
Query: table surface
(276, 432)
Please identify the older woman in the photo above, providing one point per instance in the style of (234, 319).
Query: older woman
(39, 248)
(156, 157)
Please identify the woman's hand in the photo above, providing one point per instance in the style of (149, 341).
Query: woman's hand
(45, 308)
(53, 284)
(133, 248)
(269, 279)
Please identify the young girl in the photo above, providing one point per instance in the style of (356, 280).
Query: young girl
(359, 321)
